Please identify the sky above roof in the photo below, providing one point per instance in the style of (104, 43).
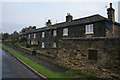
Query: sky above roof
(18, 15)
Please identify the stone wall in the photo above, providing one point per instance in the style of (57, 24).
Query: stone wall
(52, 51)
(73, 53)
(39, 54)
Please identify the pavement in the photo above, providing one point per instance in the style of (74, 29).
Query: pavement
(12, 68)
(42, 62)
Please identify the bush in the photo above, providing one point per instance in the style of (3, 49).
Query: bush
(28, 45)
(16, 43)
(23, 39)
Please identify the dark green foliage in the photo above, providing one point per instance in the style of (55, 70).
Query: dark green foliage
(23, 39)
(13, 41)
(23, 30)
(28, 45)
(5, 36)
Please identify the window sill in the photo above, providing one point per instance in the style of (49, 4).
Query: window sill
(51, 47)
(65, 35)
(89, 33)
(54, 36)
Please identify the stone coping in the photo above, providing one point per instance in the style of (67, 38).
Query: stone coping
(92, 38)
(42, 53)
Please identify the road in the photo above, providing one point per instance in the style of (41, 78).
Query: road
(12, 68)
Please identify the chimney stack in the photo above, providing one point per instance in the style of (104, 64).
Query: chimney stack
(34, 27)
(111, 18)
(69, 17)
(111, 14)
(48, 23)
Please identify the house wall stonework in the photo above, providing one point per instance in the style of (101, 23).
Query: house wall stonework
(74, 54)
(79, 31)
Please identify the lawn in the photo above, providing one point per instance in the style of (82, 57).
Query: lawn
(46, 72)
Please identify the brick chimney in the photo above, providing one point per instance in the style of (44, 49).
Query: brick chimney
(48, 23)
(69, 17)
(111, 14)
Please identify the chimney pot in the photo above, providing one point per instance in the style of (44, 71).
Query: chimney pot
(68, 14)
(110, 5)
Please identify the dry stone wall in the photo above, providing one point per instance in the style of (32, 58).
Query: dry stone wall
(74, 53)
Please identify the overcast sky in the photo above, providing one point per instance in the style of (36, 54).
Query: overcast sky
(18, 15)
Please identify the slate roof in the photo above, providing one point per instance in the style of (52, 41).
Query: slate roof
(89, 19)
(85, 20)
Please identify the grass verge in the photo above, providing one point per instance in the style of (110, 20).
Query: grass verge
(44, 71)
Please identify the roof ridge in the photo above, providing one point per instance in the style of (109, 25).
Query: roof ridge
(91, 16)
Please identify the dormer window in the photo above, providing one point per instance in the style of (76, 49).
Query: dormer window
(89, 29)
(43, 34)
(65, 32)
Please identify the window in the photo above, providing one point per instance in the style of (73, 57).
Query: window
(43, 34)
(43, 45)
(34, 35)
(54, 44)
(65, 32)
(89, 29)
(92, 54)
(29, 35)
(54, 33)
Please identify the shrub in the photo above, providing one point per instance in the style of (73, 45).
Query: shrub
(28, 45)
(23, 39)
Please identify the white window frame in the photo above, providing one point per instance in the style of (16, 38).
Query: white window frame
(43, 34)
(29, 36)
(54, 45)
(89, 29)
(34, 35)
(43, 45)
(54, 32)
(65, 32)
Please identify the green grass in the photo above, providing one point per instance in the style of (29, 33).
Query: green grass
(44, 71)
